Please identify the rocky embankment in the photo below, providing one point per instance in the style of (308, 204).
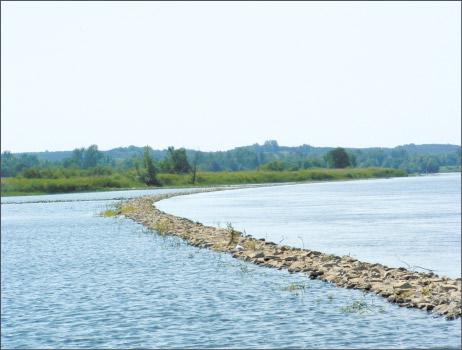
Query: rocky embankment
(426, 291)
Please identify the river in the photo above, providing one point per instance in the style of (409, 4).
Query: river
(73, 279)
(408, 222)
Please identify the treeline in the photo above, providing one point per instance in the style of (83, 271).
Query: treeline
(92, 162)
(133, 162)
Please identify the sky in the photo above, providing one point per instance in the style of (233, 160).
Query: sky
(216, 75)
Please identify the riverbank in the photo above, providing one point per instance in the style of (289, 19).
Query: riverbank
(25, 186)
(426, 291)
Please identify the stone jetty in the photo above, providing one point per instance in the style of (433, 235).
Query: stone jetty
(426, 291)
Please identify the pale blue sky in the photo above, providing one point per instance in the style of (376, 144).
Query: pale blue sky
(213, 76)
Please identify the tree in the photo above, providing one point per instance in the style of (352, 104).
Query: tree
(150, 174)
(271, 145)
(338, 158)
(91, 157)
(176, 161)
(430, 165)
(12, 165)
(275, 165)
(194, 167)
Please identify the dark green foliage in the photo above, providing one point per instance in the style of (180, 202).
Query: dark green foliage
(275, 165)
(194, 167)
(12, 164)
(87, 158)
(338, 158)
(150, 172)
(84, 162)
(176, 161)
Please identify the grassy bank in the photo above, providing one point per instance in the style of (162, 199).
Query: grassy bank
(23, 186)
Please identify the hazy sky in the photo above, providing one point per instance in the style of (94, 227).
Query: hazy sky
(213, 76)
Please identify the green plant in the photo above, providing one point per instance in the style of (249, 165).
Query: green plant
(296, 287)
(251, 244)
(233, 234)
(109, 213)
(357, 306)
(161, 226)
(360, 306)
(78, 180)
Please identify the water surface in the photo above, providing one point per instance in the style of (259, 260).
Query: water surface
(413, 222)
(72, 279)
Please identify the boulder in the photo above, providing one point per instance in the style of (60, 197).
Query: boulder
(402, 285)
(257, 255)
(290, 258)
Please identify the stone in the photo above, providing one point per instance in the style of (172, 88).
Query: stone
(425, 306)
(448, 287)
(290, 258)
(257, 255)
(410, 277)
(239, 248)
(316, 273)
(402, 285)
(328, 265)
(297, 266)
(272, 257)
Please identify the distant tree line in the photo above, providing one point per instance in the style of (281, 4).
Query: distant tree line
(145, 163)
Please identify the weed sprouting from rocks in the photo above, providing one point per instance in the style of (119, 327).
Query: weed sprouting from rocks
(112, 211)
(358, 306)
(361, 307)
(233, 234)
(244, 269)
(296, 287)
(161, 226)
(251, 244)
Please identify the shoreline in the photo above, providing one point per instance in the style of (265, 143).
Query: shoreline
(426, 291)
(81, 184)
(118, 189)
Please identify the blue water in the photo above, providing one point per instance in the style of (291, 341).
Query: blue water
(72, 279)
(412, 222)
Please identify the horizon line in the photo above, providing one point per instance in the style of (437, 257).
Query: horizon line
(229, 149)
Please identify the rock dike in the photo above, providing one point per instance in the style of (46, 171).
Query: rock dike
(426, 291)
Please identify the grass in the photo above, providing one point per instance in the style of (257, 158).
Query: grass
(14, 186)
(118, 209)
(233, 234)
(295, 287)
(357, 306)
(252, 177)
(361, 307)
(251, 244)
(24, 186)
(110, 213)
(161, 226)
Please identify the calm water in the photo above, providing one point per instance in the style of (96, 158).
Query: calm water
(72, 279)
(413, 221)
